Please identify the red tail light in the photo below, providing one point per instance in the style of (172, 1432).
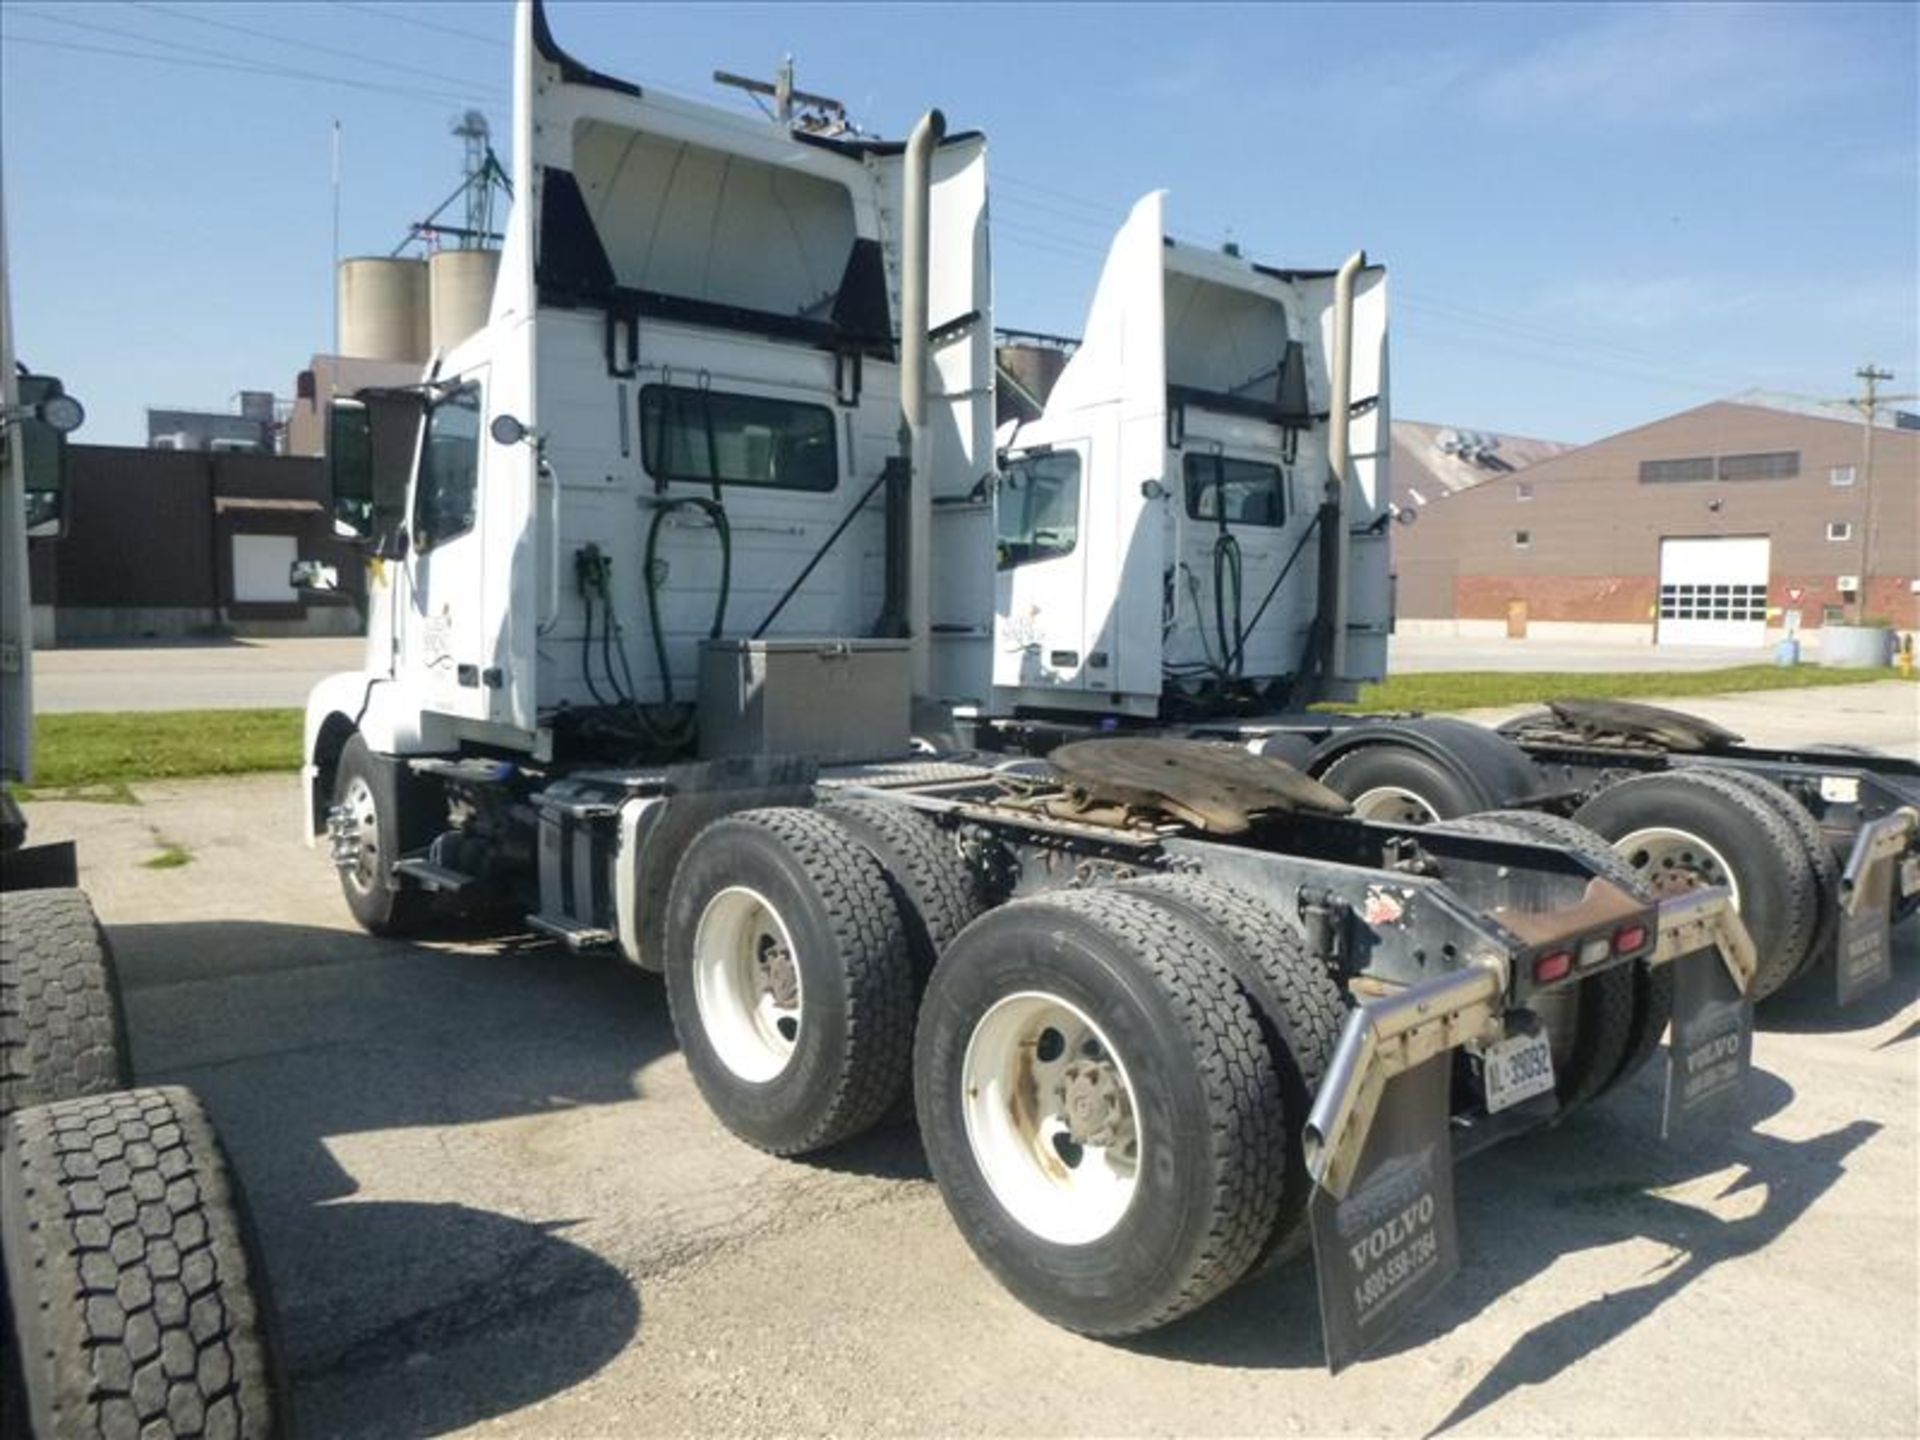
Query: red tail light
(1549, 968)
(1629, 938)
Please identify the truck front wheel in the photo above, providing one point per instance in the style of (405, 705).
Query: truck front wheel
(1100, 1109)
(380, 812)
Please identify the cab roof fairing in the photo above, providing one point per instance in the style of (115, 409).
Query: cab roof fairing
(555, 95)
(1132, 349)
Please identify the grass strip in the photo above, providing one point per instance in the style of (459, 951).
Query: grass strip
(1473, 689)
(78, 753)
(112, 748)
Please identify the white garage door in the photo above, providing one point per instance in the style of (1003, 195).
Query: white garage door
(260, 566)
(1713, 590)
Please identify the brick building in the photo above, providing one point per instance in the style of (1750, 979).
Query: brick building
(180, 542)
(1707, 527)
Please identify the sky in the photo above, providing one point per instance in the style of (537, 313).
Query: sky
(1592, 216)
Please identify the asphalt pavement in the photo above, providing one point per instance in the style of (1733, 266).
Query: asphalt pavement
(491, 1200)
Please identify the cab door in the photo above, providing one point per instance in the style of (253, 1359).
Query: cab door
(1040, 611)
(443, 642)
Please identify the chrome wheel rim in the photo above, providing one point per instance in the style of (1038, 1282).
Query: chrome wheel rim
(363, 820)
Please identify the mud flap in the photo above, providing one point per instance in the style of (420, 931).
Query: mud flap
(1865, 954)
(1711, 1049)
(1392, 1242)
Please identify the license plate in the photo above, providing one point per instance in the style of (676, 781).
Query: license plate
(1517, 1068)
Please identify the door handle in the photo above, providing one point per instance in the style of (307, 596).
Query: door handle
(550, 611)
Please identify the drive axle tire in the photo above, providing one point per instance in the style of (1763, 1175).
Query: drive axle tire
(392, 812)
(790, 979)
(61, 1030)
(1813, 844)
(136, 1297)
(1297, 1004)
(1397, 784)
(1682, 828)
(934, 888)
(1099, 1109)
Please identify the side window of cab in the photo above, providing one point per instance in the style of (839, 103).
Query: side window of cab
(448, 495)
(1038, 508)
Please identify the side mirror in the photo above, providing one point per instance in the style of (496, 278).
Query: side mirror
(350, 469)
(46, 416)
(371, 441)
(315, 575)
(507, 430)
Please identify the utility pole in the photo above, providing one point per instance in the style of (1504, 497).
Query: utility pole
(797, 109)
(1870, 377)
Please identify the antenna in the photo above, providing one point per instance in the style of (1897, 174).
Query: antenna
(333, 276)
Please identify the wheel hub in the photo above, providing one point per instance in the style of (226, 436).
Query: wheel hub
(775, 970)
(1093, 1105)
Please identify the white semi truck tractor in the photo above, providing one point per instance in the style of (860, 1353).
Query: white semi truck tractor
(689, 572)
(134, 1297)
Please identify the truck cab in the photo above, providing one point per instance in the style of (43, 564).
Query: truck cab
(695, 347)
(1157, 519)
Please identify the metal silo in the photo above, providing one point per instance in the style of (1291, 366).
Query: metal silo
(460, 293)
(384, 309)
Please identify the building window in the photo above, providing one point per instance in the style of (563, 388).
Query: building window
(1775, 465)
(1713, 602)
(1841, 476)
(1839, 529)
(1038, 503)
(713, 437)
(1244, 492)
(1522, 539)
(1667, 472)
(1523, 489)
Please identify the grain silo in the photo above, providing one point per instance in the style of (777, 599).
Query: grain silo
(384, 309)
(460, 294)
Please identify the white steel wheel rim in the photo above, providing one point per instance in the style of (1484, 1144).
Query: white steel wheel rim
(363, 812)
(1394, 805)
(1674, 860)
(1051, 1118)
(746, 984)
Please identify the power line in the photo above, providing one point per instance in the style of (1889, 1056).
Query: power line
(459, 81)
(456, 31)
(279, 72)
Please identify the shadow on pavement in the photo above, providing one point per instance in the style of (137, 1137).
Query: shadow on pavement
(1807, 1007)
(399, 1318)
(1585, 1184)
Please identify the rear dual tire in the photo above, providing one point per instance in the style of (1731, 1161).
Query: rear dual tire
(790, 979)
(1100, 1109)
(1683, 828)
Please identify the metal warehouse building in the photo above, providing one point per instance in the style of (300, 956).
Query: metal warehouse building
(1708, 528)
